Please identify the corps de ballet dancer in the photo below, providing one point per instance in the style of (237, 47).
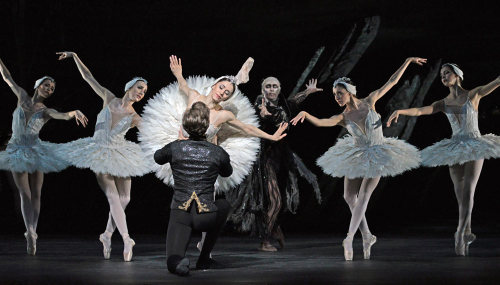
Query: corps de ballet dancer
(272, 185)
(196, 164)
(109, 155)
(465, 151)
(28, 157)
(364, 156)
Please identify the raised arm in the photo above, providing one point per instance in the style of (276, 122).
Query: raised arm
(330, 122)
(301, 96)
(485, 90)
(377, 94)
(176, 68)
(435, 107)
(79, 116)
(104, 93)
(8, 79)
(253, 131)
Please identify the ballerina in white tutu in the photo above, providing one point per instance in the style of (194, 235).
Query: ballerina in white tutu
(113, 159)
(466, 150)
(365, 155)
(233, 123)
(28, 157)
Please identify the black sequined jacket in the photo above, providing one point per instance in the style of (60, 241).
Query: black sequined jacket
(195, 167)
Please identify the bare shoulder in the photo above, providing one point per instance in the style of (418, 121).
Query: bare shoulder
(226, 115)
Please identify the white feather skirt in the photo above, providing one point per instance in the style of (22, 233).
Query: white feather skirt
(41, 156)
(122, 158)
(161, 122)
(460, 149)
(390, 158)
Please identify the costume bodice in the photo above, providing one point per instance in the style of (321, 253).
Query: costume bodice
(370, 133)
(105, 132)
(26, 133)
(463, 119)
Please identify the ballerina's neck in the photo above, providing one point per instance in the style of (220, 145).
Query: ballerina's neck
(126, 102)
(353, 104)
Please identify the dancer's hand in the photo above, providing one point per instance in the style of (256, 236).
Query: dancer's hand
(299, 118)
(311, 86)
(263, 109)
(80, 117)
(417, 60)
(278, 135)
(181, 135)
(394, 116)
(176, 65)
(65, 54)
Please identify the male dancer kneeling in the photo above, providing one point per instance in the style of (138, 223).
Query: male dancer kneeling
(195, 165)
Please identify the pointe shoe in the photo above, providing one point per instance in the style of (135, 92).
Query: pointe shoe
(348, 251)
(31, 242)
(468, 239)
(459, 245)
(367, 245)
(279, 236)
(106, 246)
(266, 246)
(128, 244)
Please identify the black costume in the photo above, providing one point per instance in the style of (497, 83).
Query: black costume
(195, 167)
(258, 200)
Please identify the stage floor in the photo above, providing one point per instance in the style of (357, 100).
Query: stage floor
(396, 259)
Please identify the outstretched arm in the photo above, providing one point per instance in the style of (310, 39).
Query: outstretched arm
(8, 79)
(415, 112)
(176, 68)
(330, 122)
(377, 94)
(253, 130)
(485, 90)
(104, 93)
(79, 116)
(310, 89)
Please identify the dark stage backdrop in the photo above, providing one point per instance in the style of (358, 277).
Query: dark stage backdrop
(118, 40)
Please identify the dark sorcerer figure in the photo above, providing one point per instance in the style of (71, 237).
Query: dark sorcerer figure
(259, 200)
(195, 165)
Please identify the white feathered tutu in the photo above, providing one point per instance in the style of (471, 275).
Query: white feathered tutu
(25, 152)
(41, 156)
(162, 119)
(108, 152)
(368, 154)
(459, 150)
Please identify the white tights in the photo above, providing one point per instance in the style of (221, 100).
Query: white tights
(465, 177)
(117, 190)
(357, 193)
(30, 190)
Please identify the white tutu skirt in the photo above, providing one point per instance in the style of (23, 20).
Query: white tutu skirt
(42, 156)
(458, 150)
(390, 158)
(121, 159)
(161, 122)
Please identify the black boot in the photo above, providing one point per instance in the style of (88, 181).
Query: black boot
(178, 265)
(203, 264)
